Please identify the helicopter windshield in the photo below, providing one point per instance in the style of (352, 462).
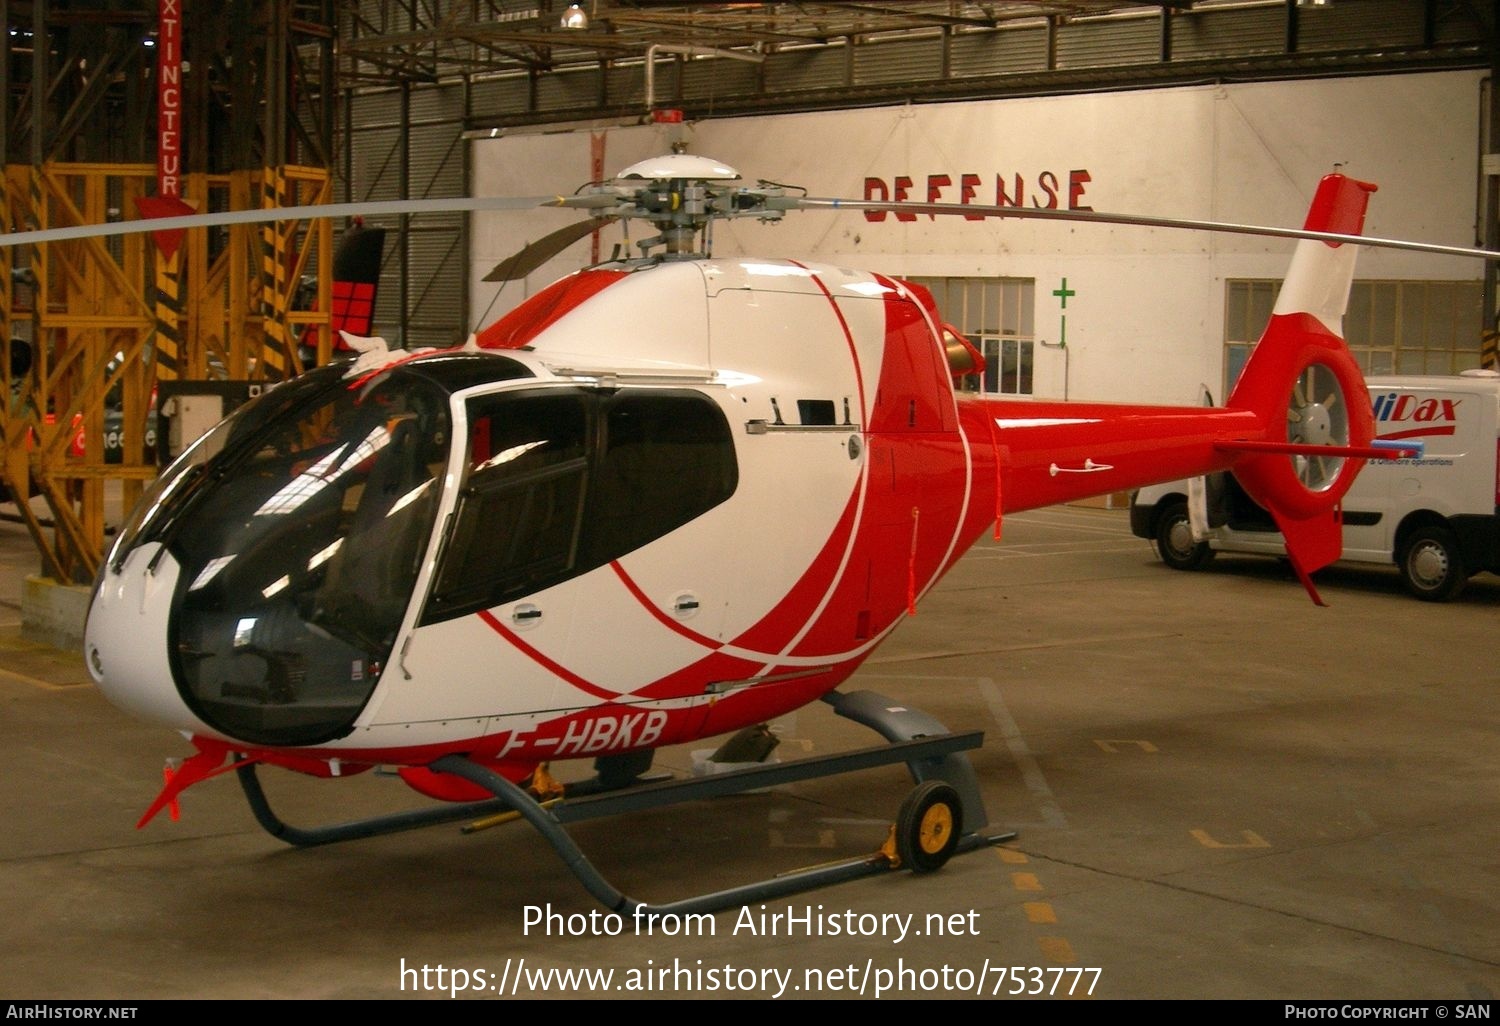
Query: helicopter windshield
(300, 532)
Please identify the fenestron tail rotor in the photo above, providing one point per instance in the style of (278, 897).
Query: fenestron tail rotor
(1317, 415)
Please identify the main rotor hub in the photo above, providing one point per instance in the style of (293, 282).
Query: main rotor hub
(679, 165)
(681, 195)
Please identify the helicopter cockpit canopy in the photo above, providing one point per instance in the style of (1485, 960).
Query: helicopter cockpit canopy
(300, 525)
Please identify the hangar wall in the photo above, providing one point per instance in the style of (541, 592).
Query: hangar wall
(1145, 310)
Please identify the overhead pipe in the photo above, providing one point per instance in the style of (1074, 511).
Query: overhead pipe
(688, 50)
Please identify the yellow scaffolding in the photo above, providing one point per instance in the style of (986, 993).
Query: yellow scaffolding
(109, 317)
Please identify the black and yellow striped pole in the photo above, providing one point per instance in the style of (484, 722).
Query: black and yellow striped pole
(36, 262)
(168, 199)
(168, 311)
(274, 290)
(167, 305)
(1489, 351)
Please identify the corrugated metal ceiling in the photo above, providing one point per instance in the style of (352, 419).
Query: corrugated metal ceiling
(737, 58)
(433, 41)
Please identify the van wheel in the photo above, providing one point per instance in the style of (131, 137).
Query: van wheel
(1431, 567)
(1174, 540)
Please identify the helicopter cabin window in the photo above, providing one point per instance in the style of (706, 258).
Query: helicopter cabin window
(561, 482)
(1392, 327)
(521, 506)
(998, 316)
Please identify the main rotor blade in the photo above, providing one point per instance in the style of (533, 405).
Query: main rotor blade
(535, 254)
(1099, 217)
(262, 215)
(464, 204)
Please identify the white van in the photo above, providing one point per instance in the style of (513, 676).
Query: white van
(1437, 517)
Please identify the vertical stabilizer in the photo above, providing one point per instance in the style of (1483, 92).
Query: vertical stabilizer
(1301, 375)
(1318, 281)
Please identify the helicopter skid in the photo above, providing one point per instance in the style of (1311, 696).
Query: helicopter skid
(920, 839)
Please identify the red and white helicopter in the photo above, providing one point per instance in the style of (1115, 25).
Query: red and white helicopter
(664, 498)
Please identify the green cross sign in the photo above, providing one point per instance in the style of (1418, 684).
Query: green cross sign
(1062, 293)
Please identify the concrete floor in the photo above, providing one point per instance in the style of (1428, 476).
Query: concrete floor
(1221, 791)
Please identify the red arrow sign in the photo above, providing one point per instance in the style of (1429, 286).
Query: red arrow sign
(165, 206)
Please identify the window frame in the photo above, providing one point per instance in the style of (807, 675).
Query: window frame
(1391, 324)
(994, 313)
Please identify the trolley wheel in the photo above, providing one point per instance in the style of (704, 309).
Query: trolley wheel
(928, 826)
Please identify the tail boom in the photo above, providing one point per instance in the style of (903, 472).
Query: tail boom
(1057, 452)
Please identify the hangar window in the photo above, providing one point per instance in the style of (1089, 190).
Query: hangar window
(997, 315)
(1392, 327)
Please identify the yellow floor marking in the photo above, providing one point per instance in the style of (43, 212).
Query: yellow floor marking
(1252, 840)
(1025, 882)
(1012, 857)
(1109, 746)
(1040, 912)
(1057, 949)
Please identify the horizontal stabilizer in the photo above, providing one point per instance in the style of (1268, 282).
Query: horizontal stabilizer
(1406, 449)
(1374, 451)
